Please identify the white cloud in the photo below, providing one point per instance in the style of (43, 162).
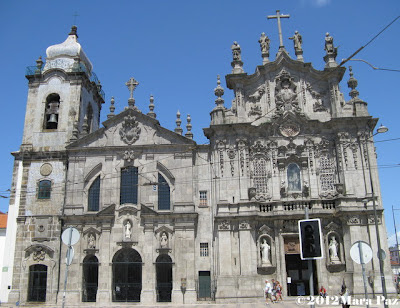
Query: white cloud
(318, 3)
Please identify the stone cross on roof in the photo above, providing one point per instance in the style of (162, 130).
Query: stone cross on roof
(278, 16)
(131, 84)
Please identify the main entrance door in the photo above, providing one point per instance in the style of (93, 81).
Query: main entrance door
(164, 278)
(127, 276)
(299, 274)
(37, 283)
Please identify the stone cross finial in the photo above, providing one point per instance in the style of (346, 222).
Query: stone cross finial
(278, 16)
(132, 84)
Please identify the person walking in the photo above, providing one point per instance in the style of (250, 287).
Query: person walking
(278, 291)
(268, 291)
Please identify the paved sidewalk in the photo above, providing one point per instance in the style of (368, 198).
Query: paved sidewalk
(290, 302)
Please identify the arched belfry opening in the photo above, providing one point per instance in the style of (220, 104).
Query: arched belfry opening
(52, 111)
(37, 283)
(127, 276)
(90, 278)
(164, 278)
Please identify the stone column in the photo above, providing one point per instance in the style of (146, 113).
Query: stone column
(148, 295)
(105, 268)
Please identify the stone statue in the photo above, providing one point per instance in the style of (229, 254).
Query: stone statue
(265, 252)
(91, 241)
(164, 240)
(236, 52)
(264, 43)
(329, 44)
(333, 250)
(128, 229)
(297, 41)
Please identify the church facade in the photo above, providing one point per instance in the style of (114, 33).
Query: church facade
(164, 219)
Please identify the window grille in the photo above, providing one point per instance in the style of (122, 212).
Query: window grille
(94, 195)
(129, 185)
(44, 189)
(203, 198)
(203, 249)
(260, 175)
(164, 198)
(327, 173)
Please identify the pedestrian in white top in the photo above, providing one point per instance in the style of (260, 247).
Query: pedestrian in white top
(268, 291)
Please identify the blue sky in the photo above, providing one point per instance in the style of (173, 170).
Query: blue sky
(175, 49)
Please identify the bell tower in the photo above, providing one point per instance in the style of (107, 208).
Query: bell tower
(64, 95)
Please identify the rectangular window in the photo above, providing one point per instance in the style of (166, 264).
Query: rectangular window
(44, 190)
(203, 249)
(203, 198)
(129, 185)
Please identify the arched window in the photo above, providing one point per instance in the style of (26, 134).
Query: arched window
(294, 178)
(94, 195)
(129, 185)
(164, 199)
(51, 112)
(127, 276)
(90, 278)
(37, 283)
(44, 189)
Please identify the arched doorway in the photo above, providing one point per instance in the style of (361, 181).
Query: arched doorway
(164, 278)
(90, 278)
(37, 283)
(127, 276)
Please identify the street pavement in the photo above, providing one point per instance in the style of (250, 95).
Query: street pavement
(288, 303)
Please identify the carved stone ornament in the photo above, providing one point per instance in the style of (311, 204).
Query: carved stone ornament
(285, 93)
(244, 225)
(129, 156)
(289, 129)
(224, 225)
(46, 169)
(39, 254)
(353, 220)
(130, 130)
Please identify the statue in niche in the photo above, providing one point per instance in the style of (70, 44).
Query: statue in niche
(164, 240)
(333, 250)
(293, 173)
(91, 241)
(264, 43)
(128, 229)
(297, 41)
(236, 52)
(265, 249)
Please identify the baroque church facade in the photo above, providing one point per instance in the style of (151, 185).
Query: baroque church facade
(164, 219)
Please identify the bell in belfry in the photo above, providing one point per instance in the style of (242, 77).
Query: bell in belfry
(52, 121)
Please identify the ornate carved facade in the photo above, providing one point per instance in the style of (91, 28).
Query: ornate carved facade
(145, 202)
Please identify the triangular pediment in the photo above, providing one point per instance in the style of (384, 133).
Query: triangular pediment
(107, 211)
(91, 230)
(130, 128)
(163, 229)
